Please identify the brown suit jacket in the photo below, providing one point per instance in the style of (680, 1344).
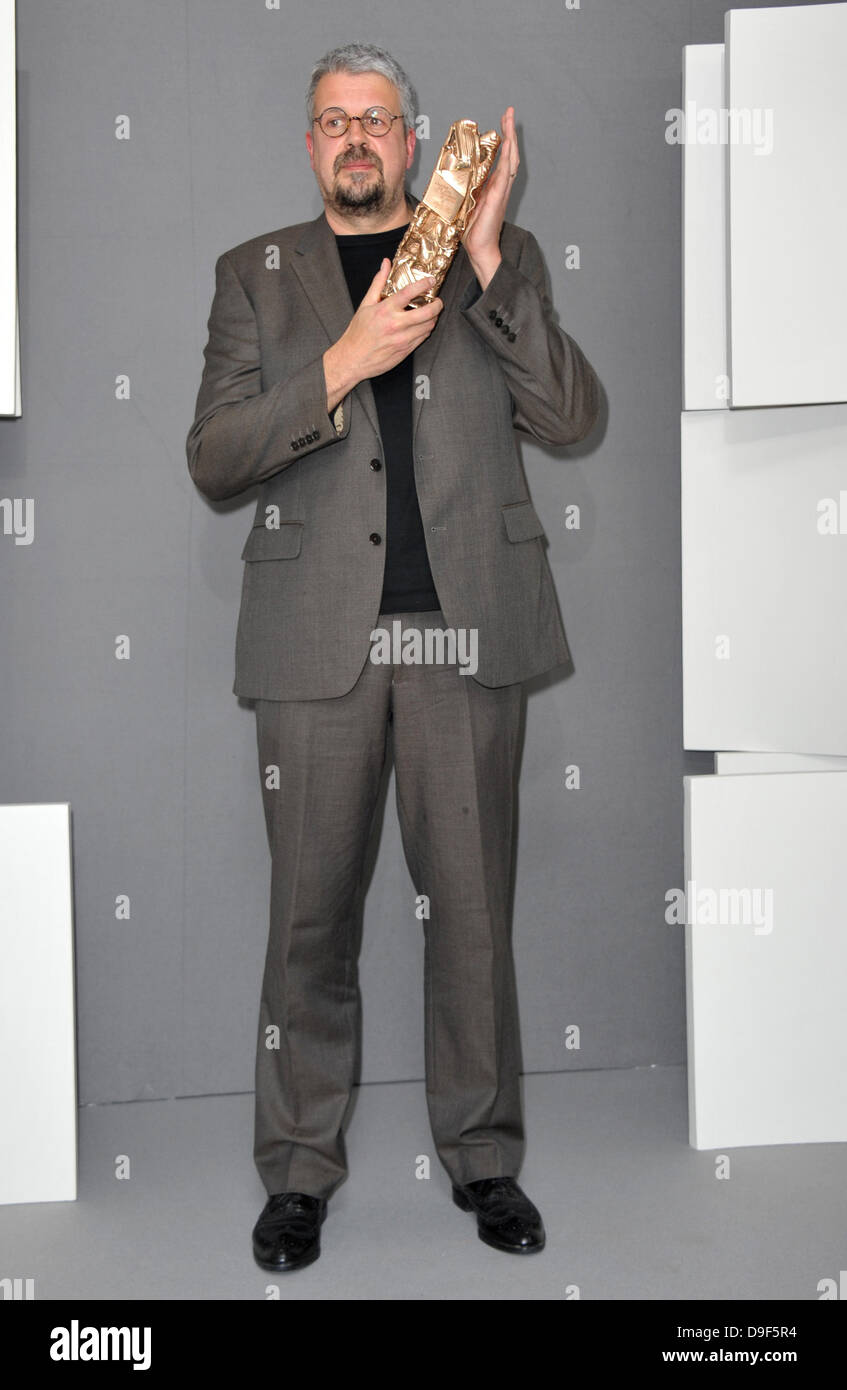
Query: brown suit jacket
(495, 362)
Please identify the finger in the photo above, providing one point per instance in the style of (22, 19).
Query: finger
(511, 142)
(378, 282)
(501, 181)
(504, 161)
(417, 287)
(421, 313)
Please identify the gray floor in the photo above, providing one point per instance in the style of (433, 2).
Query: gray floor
(631, 1211)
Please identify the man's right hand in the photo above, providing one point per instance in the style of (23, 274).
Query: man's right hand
(380, 334)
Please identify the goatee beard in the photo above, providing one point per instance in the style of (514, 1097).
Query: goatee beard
(364, 196)
(361, 194)
(346, 200)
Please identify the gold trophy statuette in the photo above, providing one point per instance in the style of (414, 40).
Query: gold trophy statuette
(431, 238)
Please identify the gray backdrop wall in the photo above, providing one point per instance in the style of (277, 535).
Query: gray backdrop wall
(118, 239)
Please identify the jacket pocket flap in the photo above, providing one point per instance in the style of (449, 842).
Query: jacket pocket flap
(522, 521)
(273, 543)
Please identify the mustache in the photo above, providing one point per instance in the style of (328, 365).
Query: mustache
(365, 158)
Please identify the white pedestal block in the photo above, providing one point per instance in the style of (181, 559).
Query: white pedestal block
(38, 1102)
(764, 579)
(705, 374)
(767, 1046)
(786, 77)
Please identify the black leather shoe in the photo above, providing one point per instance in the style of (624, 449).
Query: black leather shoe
(287, 1235)
(505, 1216)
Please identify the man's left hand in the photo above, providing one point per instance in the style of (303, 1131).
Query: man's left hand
(481, 239)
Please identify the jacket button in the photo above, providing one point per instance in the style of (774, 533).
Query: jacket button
(375, 465)
(294, 444)
(512, 337)
(492, 313)
(316, 434)
(506, 329)
(376, 538)
(498, 320)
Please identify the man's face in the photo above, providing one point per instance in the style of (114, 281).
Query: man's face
(360, 174)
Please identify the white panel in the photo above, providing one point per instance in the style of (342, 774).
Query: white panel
(730, 764)
(758, 574)
(788, 204)
(17, 355)
(767, 1046)
(38, 1103)
(703, 232)
(9, 368)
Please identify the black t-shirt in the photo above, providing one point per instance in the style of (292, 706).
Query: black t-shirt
(407, 583)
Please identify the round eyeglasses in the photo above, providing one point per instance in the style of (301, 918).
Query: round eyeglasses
(334, 121)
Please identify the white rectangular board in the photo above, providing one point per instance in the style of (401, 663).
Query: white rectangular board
(767, 1046)
(764, 591)
(38, 1099)
(730, 764)
(786, 78)
(705, 378)
(10, 391)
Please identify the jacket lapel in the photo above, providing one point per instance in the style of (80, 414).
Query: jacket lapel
(317, 265)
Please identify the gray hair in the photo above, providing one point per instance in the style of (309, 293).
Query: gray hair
(364, 57)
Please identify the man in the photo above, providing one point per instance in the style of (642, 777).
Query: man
(390, 491)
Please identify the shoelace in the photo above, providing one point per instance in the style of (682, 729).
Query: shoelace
(501, 1202)
(288, 1206)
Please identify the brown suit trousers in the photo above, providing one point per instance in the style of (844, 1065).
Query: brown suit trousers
(455, 748)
